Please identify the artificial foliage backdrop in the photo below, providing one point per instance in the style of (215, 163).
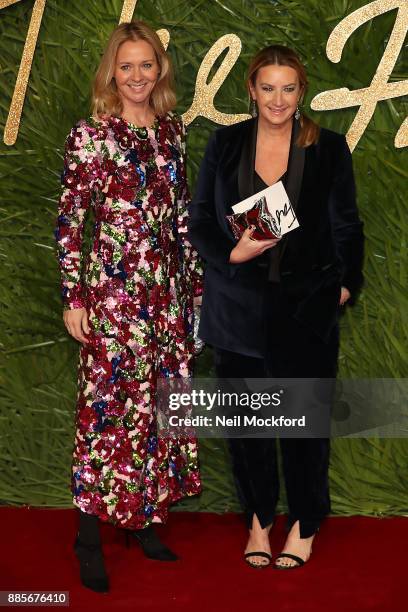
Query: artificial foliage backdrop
(39, 359)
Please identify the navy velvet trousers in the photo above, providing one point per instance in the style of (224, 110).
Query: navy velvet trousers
(294, 351)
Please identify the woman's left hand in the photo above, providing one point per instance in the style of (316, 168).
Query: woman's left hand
(198, 300)
(344, 296)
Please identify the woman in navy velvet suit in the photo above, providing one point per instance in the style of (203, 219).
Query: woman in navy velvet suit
(270, 308)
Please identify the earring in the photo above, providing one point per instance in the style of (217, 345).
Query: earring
(297, 113)
(253, 109)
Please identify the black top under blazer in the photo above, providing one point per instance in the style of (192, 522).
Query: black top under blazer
(315, 260)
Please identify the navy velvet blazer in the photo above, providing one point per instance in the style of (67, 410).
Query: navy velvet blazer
(315, 260)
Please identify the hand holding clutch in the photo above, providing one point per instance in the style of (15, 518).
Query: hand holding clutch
(247, 248)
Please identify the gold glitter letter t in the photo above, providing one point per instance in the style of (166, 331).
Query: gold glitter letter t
(16, 107)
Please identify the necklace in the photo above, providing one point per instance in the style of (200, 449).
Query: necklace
(133, 126)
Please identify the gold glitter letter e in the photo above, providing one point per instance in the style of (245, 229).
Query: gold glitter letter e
(203, 102)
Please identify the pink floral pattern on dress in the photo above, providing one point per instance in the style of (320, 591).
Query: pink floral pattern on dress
(137, 285)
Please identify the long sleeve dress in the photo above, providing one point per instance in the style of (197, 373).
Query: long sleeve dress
(137, 285)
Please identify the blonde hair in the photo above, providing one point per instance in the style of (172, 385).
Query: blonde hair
(279, 55)
(105, 96)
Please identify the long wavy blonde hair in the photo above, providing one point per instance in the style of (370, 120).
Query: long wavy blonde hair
(279, 55)
(105, 97)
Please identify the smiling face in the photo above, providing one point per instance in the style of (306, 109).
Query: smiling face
(136, 72)
(277, 92)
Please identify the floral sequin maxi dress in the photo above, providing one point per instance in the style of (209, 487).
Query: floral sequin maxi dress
(137, 285)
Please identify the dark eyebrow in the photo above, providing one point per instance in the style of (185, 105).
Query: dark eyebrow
(288, 85)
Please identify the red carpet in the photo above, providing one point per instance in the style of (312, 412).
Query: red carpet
(357, 564)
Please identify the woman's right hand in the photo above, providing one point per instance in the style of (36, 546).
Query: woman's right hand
(247, 248)
(76, 322)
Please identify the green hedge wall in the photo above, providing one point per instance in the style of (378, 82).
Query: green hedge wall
(38, 367)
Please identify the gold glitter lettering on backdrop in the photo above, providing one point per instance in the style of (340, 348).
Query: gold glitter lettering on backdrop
(380, 88)
(128, 9)
(203, 101)
(16, 106)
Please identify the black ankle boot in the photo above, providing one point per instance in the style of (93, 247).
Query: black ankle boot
(152, 547)
(92, 567)
(88, 549)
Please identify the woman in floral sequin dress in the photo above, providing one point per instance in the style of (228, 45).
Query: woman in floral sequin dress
(132, 305)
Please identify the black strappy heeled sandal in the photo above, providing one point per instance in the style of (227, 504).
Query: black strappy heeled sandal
(258, 554)
(298, 560)
(151, 545)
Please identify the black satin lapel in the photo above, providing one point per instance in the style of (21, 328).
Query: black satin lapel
(294, 177)
(296, 164)
(247, 161)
